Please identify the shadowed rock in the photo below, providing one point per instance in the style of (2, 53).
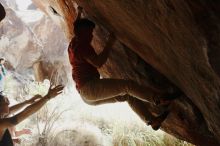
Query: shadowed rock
(168, 44)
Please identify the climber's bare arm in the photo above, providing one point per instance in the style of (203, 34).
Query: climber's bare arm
(100, 59)
(19, 106)
(22, 132)
(31, 109)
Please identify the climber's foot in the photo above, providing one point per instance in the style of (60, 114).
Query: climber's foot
(156, 122)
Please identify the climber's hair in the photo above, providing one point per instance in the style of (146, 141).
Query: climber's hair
(82, 23)
(2, 59)
(3, 99)
(2, 12)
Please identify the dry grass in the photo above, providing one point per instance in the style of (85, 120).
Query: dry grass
(112, 130)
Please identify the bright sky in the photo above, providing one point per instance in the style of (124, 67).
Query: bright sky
(23, 4)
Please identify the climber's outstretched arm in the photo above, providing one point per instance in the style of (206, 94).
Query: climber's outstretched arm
(19, 106)
(12, 121)
(100, 59)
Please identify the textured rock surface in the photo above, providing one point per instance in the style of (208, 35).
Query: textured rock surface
(26, 47)
(18, 42)
(179, 39)
(28, 43)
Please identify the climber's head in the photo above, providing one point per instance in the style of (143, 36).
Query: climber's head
(4, 105)
(2, 12)
(2, 60)
(83, 29)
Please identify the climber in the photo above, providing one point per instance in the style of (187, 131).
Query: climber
(33, 105)
(2, 12)
(94, 90)
(2, 73)
(16, 134)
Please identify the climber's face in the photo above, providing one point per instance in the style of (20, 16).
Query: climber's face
(4, 106)
(90, 34)
(85, 34)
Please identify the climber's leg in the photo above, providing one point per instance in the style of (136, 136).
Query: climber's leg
(142, 110)
(100, 89)
(107, 101)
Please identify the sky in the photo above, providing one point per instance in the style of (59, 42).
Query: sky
(23, 4)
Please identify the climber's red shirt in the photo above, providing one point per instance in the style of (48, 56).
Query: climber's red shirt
(82, 71)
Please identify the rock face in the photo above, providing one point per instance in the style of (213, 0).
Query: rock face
(26, 47)
(18, 42)
(169, 44)
(53, 55)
